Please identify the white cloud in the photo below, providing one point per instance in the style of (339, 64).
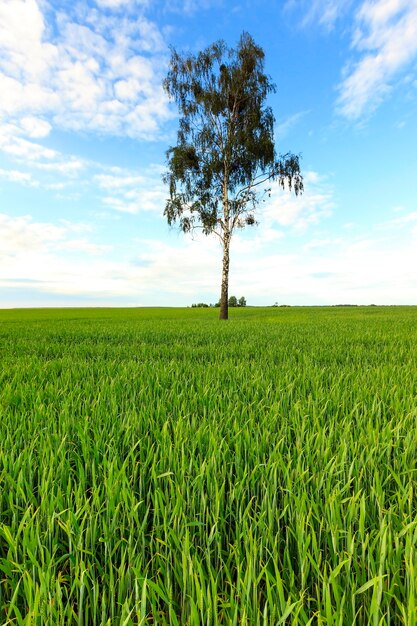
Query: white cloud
(93, 72)
(51, 260)
(21, 234)
(82, 245)
(334, 270)
(16, 176)
(132, 193)
(386, 38)
(109, 181)
(33, 154)
(120, 4)
(27, 150)
(47, 257)
(12, 143)
(286, 209)
(137, 200)
(67, 167)
(24, 236)
(34, 127)
(22, 27)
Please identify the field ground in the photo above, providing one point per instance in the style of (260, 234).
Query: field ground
(159, 467)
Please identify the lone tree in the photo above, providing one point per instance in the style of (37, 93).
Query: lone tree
(225, 145)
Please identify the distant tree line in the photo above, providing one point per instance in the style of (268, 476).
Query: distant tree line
(233, 302)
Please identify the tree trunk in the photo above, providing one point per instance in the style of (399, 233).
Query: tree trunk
(224, 297)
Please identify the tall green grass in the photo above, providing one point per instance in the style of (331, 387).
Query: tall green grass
(158, 467)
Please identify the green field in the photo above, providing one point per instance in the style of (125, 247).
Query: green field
(159, 467)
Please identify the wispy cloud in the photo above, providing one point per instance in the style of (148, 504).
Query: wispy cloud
(121, 4)
(35, 155)
(322, 12)
(284, 127)
(111, 181)
(320, 244)
(137, 200)
(132, 193)
(385, 38)
(191, 6)
(406, 221)
(122, 190)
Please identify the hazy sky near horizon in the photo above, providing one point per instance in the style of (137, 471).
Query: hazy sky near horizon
(84, 127)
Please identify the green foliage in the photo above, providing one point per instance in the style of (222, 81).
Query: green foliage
(232, 301)
(225, 148)
(159, 468)
(225, 137)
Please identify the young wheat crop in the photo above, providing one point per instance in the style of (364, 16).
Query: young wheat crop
(158, 467)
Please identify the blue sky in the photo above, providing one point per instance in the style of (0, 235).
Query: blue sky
(84, 127)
